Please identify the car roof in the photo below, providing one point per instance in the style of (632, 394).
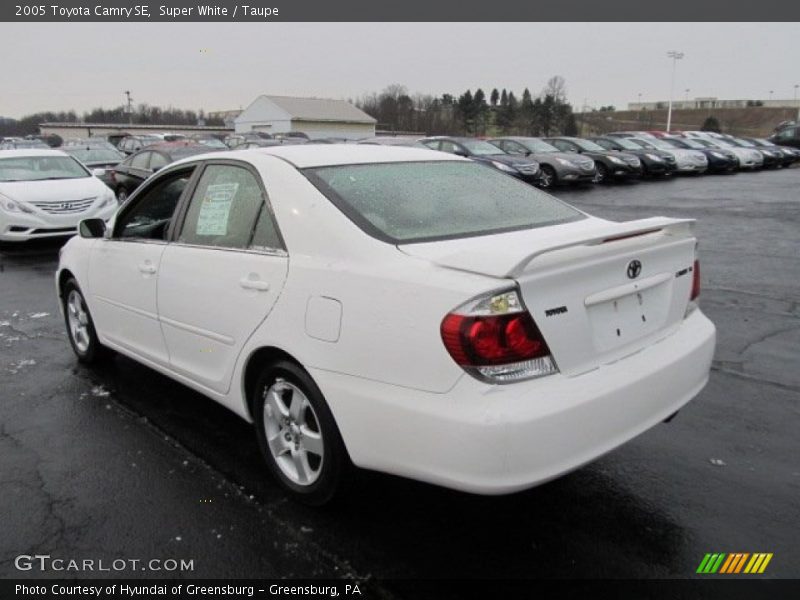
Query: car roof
(304, 156)
(30, 152)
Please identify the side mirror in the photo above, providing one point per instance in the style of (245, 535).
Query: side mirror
(92, 228)
(98, 172)
(461, 153)
(528, 153)
(154, 169)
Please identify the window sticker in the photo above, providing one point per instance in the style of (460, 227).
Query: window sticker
(215, 209)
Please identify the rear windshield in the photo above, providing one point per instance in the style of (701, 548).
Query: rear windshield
(426, 201)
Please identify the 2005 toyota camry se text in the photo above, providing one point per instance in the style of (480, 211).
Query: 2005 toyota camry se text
(395, 309)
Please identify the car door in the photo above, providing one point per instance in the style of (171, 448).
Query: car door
(124, 268)
(221, 275)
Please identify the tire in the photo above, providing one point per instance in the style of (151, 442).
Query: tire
(549, 178)
(301, 445)
(122, 195)
(80, 326)
(602, 173)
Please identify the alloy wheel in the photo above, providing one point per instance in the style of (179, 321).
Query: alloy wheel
(293, 432)
(78, 320)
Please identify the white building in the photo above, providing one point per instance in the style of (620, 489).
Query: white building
(317, 117)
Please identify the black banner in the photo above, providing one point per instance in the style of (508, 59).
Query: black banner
(393, 10)
(414, 589)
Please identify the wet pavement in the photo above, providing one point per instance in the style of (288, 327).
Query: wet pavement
(121, 462)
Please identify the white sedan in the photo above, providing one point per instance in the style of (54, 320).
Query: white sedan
(396, 309)
(46, 193)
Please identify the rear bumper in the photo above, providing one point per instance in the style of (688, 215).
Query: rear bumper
(495, 439)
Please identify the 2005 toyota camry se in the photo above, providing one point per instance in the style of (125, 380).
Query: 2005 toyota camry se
(396, 309)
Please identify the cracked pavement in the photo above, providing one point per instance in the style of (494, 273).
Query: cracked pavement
(120, 462)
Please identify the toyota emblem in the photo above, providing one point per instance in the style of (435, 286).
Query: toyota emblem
(634, 269)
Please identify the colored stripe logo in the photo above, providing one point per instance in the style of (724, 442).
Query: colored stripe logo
(734, 563)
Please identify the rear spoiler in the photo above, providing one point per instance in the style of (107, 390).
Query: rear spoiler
(618, 232)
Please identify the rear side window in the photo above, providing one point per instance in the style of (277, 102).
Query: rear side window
(425, 201)
(224, 210)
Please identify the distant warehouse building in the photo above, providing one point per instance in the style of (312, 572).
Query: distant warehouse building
(317, 117)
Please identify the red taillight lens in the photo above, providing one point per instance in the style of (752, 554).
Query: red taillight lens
(486, 340)
(695, 280)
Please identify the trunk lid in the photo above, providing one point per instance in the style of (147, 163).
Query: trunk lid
(598, 290)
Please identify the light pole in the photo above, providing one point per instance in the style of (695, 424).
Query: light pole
(130, 106)
(686, 97)
(796, 85)
(675, 56)
(639, 102)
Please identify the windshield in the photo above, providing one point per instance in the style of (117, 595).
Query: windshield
(707, 144)
(657, 143)
(94, 154)
(588, 146)
(40, 168)
(212, 143)
(627, 144)
(535, 145)
(677, 143)
(424, 201)
(744, 143)
(693, 144)
(178, 153)
(481, 148)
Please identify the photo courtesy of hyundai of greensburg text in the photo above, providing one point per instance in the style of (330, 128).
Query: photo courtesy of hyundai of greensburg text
(399, 301)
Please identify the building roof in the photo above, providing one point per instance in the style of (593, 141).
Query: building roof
(81, 124)
(319, 109)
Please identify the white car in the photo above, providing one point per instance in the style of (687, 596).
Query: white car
(686, 161)
(749, 158)
(46, 193)
(398, 309)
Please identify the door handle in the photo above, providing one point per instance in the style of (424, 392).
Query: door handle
(254, 284)
(147, 269)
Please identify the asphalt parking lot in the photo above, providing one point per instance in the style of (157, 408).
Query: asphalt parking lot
(122, 462)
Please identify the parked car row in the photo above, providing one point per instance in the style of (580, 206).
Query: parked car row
(551, 161)
(543, 162)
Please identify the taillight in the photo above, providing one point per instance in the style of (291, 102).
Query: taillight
(695, 280)
(112, 175)
(496, 339)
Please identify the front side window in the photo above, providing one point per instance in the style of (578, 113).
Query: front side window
(151, 214)
(225, 209)
(423, 201)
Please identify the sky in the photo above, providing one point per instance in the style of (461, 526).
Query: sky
(224, 66)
